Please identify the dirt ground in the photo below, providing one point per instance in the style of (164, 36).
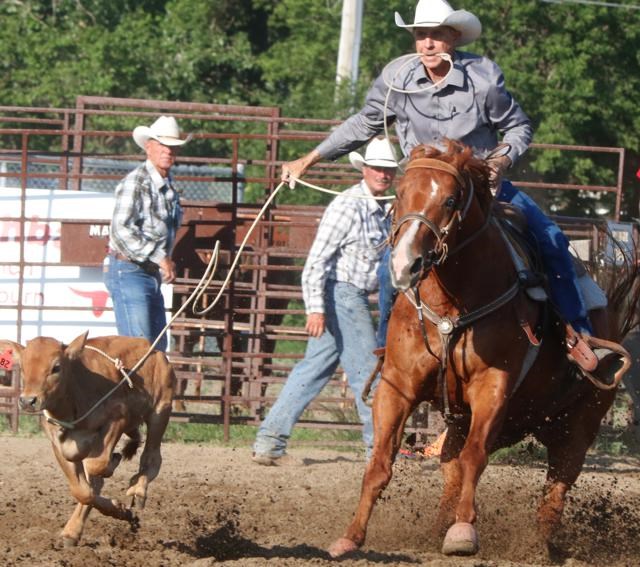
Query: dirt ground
(211, 506)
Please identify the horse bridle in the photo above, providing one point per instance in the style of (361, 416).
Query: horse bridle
(438, 254)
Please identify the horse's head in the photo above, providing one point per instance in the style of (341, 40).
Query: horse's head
(437, 192)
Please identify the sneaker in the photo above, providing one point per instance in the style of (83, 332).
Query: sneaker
(285, 460)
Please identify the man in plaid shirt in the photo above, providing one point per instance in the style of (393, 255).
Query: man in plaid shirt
(145, 220)
(338, 276)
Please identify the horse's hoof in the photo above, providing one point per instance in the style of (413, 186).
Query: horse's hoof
(341, 546)
(69, 541)
(461, 539)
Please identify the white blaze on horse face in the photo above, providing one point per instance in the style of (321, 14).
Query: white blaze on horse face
(402, 257)
(435, 188)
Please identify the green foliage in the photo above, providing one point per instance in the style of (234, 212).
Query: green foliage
(574, 67)
(28, 425)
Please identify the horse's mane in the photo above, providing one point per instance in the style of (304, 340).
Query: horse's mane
(461, 157)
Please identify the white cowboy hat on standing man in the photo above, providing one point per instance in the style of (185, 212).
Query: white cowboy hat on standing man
(434, 13)
(379, 153)
(164, 130)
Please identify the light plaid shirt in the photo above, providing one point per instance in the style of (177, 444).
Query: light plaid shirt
(347, 247)
(146, 215)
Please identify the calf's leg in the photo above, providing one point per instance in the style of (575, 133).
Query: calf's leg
(151, 458)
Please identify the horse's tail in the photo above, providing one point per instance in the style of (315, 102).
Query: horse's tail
(618, 276)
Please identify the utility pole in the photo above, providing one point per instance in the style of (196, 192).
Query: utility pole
(349, 49)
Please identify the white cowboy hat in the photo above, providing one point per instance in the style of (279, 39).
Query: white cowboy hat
(434, 13)
(379, 153)
(164, 130)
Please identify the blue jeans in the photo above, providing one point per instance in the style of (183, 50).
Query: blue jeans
(137, 301)
(386, 296)
(348, 340)
(558, 262)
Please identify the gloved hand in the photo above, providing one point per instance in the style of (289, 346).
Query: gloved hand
(497, 165)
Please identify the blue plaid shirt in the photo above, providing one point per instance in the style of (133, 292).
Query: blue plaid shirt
(146, 216)
(347, 247)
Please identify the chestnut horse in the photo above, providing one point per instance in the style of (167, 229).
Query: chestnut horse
(471, 339)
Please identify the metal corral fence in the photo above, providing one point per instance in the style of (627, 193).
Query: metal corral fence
(232, 362)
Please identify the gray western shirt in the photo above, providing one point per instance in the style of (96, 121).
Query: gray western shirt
(472, 106)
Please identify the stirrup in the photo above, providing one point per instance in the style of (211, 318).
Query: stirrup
(613, 361)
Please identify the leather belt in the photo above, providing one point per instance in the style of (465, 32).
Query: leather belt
(118, 256)
(148, 266)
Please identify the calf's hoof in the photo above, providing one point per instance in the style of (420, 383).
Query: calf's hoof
(138, 496)
(69, 542)
(461, 539)
(341, 546)
(134, 521)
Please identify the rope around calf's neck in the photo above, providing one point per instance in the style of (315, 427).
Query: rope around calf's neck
(126, 378)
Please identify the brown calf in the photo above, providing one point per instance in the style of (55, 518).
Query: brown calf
(70, 382)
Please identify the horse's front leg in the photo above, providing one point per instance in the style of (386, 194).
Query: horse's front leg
(391, 408)
(487, 396)
(456, 435)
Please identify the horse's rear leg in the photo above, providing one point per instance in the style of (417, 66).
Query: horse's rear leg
(567, 445)
(390, 412)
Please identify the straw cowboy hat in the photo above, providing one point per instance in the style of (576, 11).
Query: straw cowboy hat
(164, 130)
(379, 153)
(434, 13)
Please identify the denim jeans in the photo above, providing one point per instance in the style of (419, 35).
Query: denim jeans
(349, 340)
(564, 287)
(137, 300)
(386, 296)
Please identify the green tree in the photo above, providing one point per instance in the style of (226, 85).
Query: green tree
(574, 67)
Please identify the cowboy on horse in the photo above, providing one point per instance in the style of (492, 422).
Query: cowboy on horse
(443, 93)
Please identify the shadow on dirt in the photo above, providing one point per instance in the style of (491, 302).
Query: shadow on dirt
(225, 544)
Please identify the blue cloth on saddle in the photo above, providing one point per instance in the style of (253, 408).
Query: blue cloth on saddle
(554, 249)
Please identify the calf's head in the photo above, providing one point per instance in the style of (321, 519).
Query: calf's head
(44, 363)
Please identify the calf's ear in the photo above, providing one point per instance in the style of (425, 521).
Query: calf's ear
(76, 347)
